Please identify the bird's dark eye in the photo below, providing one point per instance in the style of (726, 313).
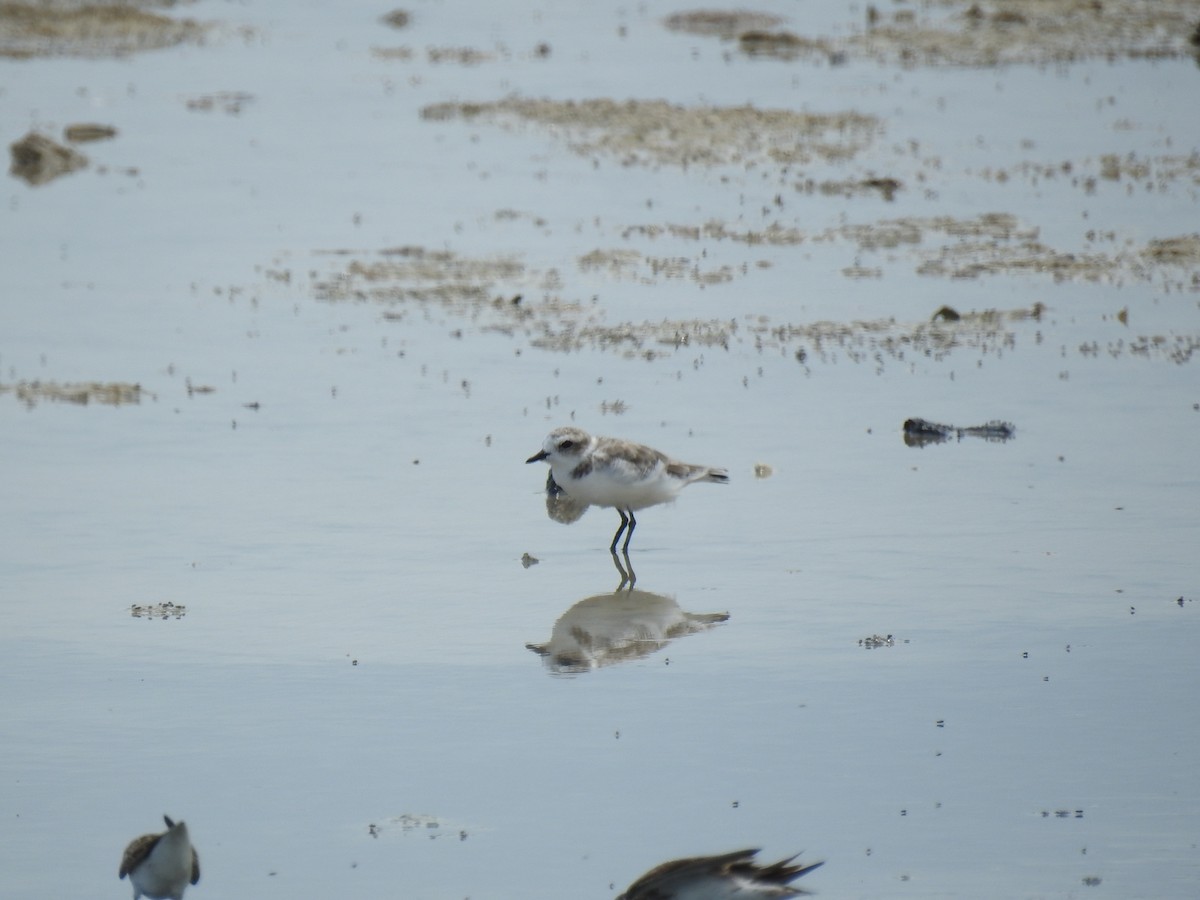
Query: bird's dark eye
(566, 445)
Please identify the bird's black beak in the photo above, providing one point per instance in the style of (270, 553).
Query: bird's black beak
(537, 457)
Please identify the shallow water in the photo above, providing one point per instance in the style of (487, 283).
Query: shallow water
(349, 702)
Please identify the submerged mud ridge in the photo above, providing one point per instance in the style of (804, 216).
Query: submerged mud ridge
(1162, 173)
(166, 610)
(1000, 32)
(501, 295)
(111, 393)
(884, 234)
(411, 273)
(971, 259)
(987, 244)
(726, 24)
(654, 132)
(969, 32)
(90, 29)
(632, 265)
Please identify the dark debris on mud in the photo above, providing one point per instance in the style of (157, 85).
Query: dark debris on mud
(38, 159)
(921, 433)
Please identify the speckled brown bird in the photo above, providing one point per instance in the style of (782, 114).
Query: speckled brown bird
(605, 471)
(161, 866)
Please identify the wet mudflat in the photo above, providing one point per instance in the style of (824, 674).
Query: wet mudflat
(271, 362)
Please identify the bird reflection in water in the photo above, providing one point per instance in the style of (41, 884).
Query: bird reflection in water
(612, 628)
(628, 576)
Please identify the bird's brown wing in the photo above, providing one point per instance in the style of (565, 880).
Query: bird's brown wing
(627, 461)
(136, 853)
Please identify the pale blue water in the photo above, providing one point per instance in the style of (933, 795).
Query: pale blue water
(1033, 724)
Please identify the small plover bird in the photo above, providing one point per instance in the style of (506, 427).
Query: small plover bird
(161, 866)
(604, 471)
(731, 876)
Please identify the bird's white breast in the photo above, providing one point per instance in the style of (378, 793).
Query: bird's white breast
(611, 484)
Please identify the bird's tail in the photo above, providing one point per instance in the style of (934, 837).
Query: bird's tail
(688, 473)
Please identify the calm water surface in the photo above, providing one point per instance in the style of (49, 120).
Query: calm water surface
(350, 704)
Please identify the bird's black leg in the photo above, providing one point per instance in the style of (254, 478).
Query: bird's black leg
(628, 534)
(620, 531)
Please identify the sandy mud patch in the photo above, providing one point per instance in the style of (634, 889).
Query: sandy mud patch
(725, 24)
(229, 102)
(37, 159)
(948, 246)
(654, 132)
(167, 610)
(502, 295)
(111, 393)
(87, 132)
(968, 32)
(66, 28)
(954, 32)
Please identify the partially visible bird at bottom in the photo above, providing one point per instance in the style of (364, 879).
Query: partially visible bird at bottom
(161, 866)
(729, 876)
